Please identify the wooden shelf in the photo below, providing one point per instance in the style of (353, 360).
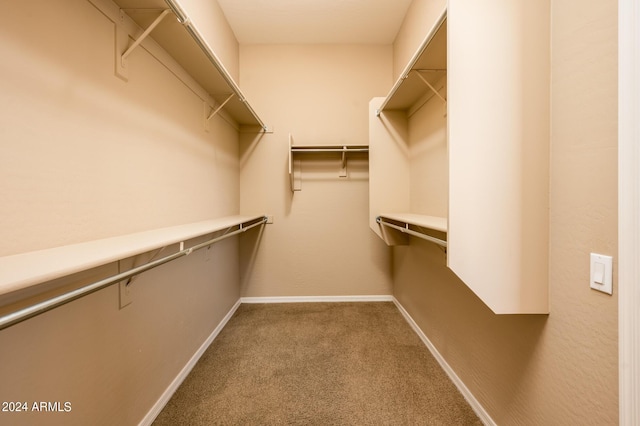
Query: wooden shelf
(180, 39)
(426, 71)
(423, 221)
(430, 228)
(343, 150)
(24, 270)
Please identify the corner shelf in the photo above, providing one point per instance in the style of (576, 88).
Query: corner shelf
(294, 166)
(430, 228)
(182, 41)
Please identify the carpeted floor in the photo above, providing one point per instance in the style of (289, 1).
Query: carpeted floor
(317, 364)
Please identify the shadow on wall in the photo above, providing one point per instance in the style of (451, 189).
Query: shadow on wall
(486, 350)
(248, 143)
(249, 244)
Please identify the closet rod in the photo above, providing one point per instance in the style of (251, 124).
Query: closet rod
(406, 230)
(49, 304)
(316, 150)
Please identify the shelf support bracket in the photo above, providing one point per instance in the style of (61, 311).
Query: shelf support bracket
(433, 89)
(145, 34)
(343, 170)
(217, 110)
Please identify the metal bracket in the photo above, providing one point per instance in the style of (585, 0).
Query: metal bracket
(208, 115)
(122, 40)
(433, 89)
(125, 290)
(343, 169)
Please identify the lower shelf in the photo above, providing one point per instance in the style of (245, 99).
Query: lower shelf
(23, 270)
(430, 228)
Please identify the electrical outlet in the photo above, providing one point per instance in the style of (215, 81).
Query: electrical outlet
(269, 219)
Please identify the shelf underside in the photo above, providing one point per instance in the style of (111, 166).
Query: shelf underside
(177, 41)
(432, 66)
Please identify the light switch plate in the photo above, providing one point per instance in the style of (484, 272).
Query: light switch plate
(601, 270)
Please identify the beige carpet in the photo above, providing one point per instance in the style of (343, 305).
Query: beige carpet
(317, 364)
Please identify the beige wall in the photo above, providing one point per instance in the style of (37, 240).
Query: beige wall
(429, 183)
(561, 368)
(320, 243)
(419, 18)
(209, 19)
(85, 155)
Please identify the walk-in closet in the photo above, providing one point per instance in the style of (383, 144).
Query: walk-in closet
(319, 212)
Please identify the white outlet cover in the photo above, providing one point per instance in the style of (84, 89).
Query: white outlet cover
(601, 273)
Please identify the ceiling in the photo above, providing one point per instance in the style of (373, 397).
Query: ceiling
(315, 21)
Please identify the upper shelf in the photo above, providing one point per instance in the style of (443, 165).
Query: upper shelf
(181, 40)
(426, 68)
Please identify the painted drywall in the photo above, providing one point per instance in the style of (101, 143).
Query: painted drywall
(560, 368)
(420, 15)
(429, 180)
(320, 242)
(209, 19)
(86, 155)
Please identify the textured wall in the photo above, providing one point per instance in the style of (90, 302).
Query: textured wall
(418, 20)
(320, 242)
(210, 21)
(84, 155)
(561, 368)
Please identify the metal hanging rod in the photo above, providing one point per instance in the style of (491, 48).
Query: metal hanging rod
(430, 69)
(332, 149)
(409, 231)
(49, 304)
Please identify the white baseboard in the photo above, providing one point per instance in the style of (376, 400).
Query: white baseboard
(175, 384)
(473, 402)
(313, 299)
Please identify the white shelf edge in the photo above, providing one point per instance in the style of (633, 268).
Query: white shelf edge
(23, 270)
(424, 221)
